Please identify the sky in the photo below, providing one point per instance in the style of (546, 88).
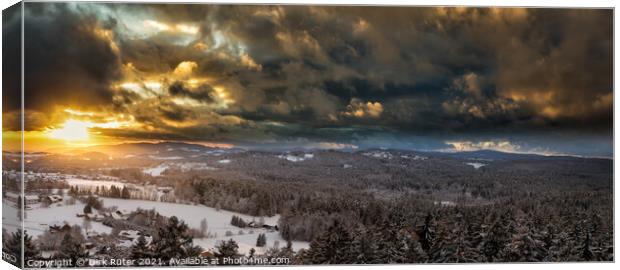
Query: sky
(330, 77)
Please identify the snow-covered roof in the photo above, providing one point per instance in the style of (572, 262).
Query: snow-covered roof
(12, 195)
(32, 197)
(131, 234)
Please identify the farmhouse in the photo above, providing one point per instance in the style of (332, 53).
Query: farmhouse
(54, 198)
(119, 215)
(11, 196)
(133, 235)
(31, 199)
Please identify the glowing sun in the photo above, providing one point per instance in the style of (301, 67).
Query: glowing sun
(72, 130)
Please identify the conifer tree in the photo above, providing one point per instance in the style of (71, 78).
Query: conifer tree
(363, 246)
(13, 246)
(331, 247)
(71, 248)
(227, 249)
(140, 249)
(174, 241)
(261, 240)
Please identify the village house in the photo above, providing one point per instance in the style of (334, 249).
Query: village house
(11, 196)
(131, 236)
(14, 197)
(32, 199)
(54, 198)
(119, 214)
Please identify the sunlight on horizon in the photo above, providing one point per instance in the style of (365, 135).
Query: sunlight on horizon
(72, 131)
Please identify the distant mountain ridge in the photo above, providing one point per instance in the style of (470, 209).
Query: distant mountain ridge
(171, 149)
(140, 148)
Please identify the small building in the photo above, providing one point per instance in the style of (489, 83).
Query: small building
(11, 196)
(92, 235)
(54, 198)
(94, 217)
(32, 199)
(129, 234)
(165, 189)
(133, 235)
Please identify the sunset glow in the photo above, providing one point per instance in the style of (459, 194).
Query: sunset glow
(71, 131)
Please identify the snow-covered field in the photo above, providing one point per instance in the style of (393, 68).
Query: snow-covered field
(218, 222)
(155, 171)
(83, 183)
(476, 165)
(415, 157)
(295, 158)
(183, 166)
(38, 220)
(378, 154)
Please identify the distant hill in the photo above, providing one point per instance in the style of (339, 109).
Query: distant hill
(136, 149)
(178, 150)
(499, 155)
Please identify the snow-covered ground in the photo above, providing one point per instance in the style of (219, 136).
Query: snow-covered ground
(416, 157)
(192, 166)
(84, 183)
(218, 222)
(379, 154)
(155, 171)
(296, 158)
(38, 220)
(445, 203)
(476, 165)
(183, 166)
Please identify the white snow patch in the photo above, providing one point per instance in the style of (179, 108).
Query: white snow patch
(84, 183)
(192, 166)
(156, 171)
(295, 158)
(378, 154)
(476, 165)
(416, 157)
(445, 203)
(216, 152)
(224, 161)
(183, 166)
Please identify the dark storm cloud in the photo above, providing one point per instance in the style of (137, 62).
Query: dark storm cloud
(11, 61)
(204, 93)
(68, 59)
(289, 73)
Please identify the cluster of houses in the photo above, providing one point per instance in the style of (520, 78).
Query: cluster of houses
(116, 215)
(30, 200)
(130, 237)
(256, 225)
(31, 176)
